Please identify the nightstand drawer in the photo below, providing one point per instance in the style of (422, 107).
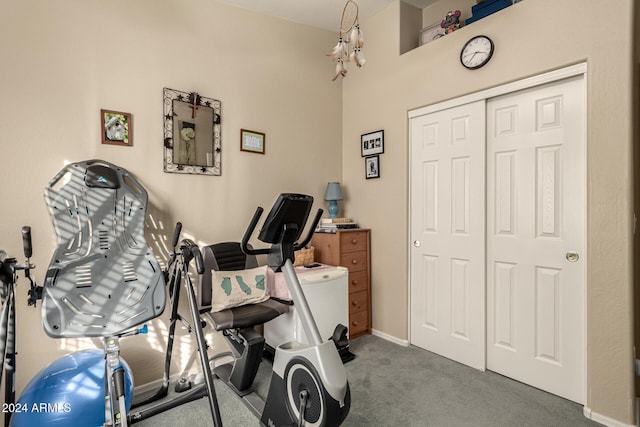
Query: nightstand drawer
(354, 261)
(358, 281)
(358, 323)
(350, 249)
(357, 302)
(353, 241)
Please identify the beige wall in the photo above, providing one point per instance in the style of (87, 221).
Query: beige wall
(65, 60)
(531, 37)
(62, 62)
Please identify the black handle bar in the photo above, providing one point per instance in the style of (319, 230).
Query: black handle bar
(314, 224)
(176, 235)
(172, 254)
(254, 222)
(247, 235)
(191, 251)
(26, 241)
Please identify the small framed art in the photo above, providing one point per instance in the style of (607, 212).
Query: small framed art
(372, 167)
(117, 128)
(372, 143)
(252, 141)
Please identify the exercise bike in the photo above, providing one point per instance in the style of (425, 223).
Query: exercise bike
(308, 383)
(104, 282)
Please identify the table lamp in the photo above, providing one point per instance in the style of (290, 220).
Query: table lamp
(333, 194)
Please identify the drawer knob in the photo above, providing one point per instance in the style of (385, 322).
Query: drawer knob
(354, 323)
(354, 241)
(354, 262)
(354, 282)
(354, 303)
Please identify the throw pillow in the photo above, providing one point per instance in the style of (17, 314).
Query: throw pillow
(236, 288)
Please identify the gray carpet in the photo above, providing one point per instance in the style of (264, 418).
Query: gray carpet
(393, 385)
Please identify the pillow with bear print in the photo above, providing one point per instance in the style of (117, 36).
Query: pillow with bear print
(236, 288)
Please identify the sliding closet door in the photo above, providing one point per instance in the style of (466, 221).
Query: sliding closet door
(448, 233)
(536, 237)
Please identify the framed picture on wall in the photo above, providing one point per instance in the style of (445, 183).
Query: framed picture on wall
(117, 128)
(372, 167)
(252, 141)
(372, 143)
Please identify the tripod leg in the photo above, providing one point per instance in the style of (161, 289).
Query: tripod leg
(202, 349)
(175, 300)
(174, 291)
(4, 335)
(9, 354)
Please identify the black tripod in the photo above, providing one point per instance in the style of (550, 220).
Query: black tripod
(176, 271)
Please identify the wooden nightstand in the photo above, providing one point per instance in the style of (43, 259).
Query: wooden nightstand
(350, 249)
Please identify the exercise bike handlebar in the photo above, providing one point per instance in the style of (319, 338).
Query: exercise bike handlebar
(247, 235)
(254, 222)
(313, 227)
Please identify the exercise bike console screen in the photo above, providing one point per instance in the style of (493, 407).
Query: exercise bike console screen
(288, 209)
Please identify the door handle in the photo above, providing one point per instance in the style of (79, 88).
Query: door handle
(416, 243)
(572, 256)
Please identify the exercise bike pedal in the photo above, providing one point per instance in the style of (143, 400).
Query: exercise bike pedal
(341, 341)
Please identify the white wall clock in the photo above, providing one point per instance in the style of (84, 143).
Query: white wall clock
(476, 52)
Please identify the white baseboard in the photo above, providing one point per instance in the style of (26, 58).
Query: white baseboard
(391, 338)
(603, 419)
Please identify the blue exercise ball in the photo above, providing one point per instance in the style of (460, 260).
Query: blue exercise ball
(68, 392)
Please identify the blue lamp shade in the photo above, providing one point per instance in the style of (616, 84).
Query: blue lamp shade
(333, 194)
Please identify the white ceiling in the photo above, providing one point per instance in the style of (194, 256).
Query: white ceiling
(324, 14)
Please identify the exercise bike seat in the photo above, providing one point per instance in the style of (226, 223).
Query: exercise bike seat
(236, 323)
(228, 256)
(103, 278)
(247, 316)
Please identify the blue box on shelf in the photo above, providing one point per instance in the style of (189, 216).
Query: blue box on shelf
(486, 8)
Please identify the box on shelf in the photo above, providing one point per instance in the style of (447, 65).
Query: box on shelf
(486, 8)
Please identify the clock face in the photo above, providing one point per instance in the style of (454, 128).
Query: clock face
(476, 52)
